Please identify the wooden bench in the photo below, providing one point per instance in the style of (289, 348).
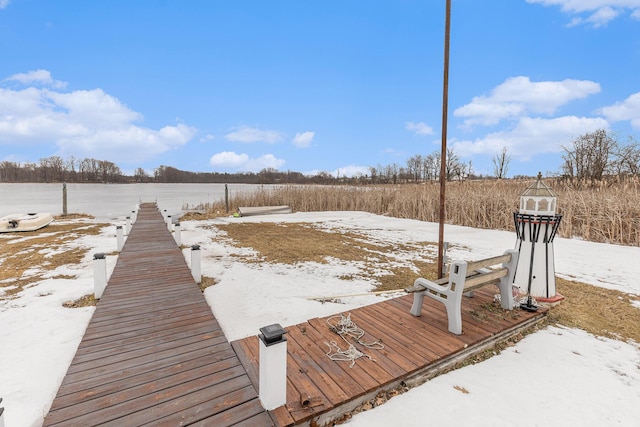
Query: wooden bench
(464, 278)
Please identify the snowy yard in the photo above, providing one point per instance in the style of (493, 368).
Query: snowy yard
(557, 376)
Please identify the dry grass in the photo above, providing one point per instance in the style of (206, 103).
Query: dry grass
(292, 243)
(205, 282)
(600, 213)
(599, 311)
(84, 301)
(26, 256)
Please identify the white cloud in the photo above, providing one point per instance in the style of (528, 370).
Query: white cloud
(243, 163)
(531, 136)
(419, 128)
(629, 109)
(518, 96)
(598, 12)
(247, 134)
(351, 171)
(38, 76)
(93, 106)
(207, 137)
(83, 123)
(343, 172)
(228, 159)
(127, 145)
(304, 139)
(4, 3)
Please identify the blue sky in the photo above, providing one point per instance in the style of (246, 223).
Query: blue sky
(333, 86)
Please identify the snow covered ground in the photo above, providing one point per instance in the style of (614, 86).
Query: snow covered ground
(556, 377)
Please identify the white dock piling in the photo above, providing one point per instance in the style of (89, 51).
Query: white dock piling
(178, 234)
(99, 274)
(195, 263)
(273, 366)
(119, 238)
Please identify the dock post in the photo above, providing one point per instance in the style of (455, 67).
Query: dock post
(273, 367)
(133, 217)
(99, 274)
(128, 225)
(178, 235)
(169, 223)
(195, 263)
(64, 203)
(119, 238)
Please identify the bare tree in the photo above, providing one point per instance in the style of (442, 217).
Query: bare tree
(414, 167)
(628, 158)
(591, 156)
(374, 174)
(453, 165)
(501, 163)
(431, 166)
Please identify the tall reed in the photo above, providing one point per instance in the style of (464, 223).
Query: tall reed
(606, 213)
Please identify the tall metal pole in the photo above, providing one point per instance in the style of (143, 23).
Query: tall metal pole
(443, 153)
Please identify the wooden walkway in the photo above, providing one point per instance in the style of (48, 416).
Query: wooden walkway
(153, 353)
(320, 390)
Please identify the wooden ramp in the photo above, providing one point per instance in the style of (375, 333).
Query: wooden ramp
(153, 353)
(321, 390)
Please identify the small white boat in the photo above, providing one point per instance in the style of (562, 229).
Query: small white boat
(24, 222)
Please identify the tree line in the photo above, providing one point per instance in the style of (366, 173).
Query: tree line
(591, 157)
(89, 170)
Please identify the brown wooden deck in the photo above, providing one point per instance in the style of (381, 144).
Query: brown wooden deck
(416, 348)
(153, 353)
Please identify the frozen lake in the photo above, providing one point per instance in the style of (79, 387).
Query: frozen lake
(110, 200)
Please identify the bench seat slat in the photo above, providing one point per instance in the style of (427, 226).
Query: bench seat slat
(487, 262)
(483, 278)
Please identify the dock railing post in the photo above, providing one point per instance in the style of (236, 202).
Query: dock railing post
(195, 263)
(99, 274)
(64, 201)
(178, 235)
(169, 223)
(128, 225)
(119, 238)
(273, 366)
(133, 216)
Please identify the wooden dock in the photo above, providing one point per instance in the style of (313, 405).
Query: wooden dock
(153, 353)
(321, 390)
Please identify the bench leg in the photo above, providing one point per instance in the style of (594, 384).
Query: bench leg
(506, 283)
(454, 314)
(416, 308)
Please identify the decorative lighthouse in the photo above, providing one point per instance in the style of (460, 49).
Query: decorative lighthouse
(536, 225)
